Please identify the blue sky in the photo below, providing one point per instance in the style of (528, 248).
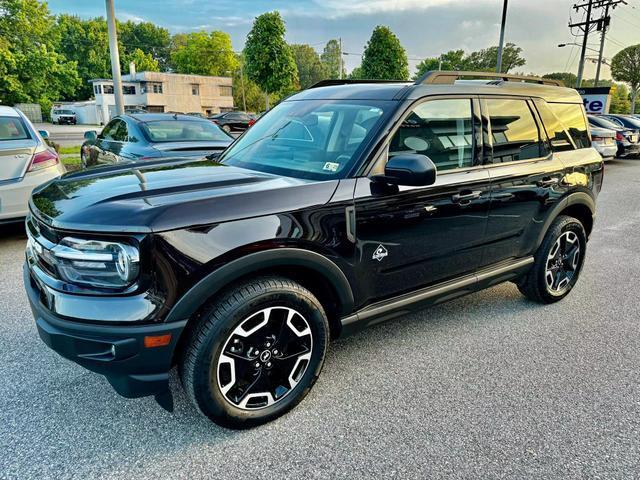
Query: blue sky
(425, 27)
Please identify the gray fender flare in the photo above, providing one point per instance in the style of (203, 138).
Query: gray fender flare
(576, 198)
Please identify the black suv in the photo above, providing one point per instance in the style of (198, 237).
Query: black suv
(346, 205)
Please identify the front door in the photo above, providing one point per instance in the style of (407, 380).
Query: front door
(413, 237)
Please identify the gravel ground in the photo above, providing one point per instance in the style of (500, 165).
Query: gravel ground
(487, 386)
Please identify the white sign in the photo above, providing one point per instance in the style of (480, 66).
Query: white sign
(596, 100)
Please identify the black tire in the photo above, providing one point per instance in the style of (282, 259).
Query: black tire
(534, 285)
(200, 366)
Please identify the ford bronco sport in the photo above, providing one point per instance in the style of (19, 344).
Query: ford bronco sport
(347, 204)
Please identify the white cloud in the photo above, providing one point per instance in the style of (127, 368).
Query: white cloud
(125, 17)
(342, 8)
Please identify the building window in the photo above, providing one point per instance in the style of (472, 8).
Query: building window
(226, 91)
(195, 89)
(97, 89)
(128, 89)
(157, 88)
(108, 89)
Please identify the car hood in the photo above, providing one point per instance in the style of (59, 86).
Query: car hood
(170, 195)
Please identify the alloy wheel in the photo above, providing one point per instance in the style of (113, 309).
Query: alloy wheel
(264, 358)
(562, 263)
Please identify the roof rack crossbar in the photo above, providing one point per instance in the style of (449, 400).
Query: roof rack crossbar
(449, 77)
(336, 81)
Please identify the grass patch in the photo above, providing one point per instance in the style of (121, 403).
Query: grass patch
(67, 161)
(68, 150)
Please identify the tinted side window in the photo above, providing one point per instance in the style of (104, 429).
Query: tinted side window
(440, 129)
(514, 131)
(121, 133)
(572, 116)
(560, 141)
(110, 130)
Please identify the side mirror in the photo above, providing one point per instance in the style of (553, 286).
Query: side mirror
(90, 135)
(410, 169)
(44, 134)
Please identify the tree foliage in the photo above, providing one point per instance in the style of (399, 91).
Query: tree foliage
(484, 60)
(31, 69)
(625, 67)
(204, 53)
(331, 59)
(310, 68)
(269, 60)
(569, 79)
(144, 62)
(151, 39)
(384, 57)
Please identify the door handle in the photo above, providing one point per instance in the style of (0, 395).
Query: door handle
(548, 182)
(466, 196)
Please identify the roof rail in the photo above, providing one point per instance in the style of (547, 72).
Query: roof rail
(449, 78)
(336, 81)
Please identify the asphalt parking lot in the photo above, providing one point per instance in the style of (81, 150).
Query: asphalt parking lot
(487, 386)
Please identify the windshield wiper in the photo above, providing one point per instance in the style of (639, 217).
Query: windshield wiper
(272, 136)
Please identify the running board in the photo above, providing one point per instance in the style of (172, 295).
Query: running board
(442, 292)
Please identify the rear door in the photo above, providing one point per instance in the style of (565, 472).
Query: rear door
(413, 237)
(525, 176)
(16, 147)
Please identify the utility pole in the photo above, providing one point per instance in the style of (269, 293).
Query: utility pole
(602, 24)
(115, 57)
(501, 45)
(341, 66)
(583, 52)
(244, 99)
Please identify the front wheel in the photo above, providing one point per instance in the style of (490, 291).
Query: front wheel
(558, 262)
(255, 353)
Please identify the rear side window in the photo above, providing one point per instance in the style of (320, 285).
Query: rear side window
(560, 141)
(440, 129)
(514, 131)
(12, 128)
(573, 118)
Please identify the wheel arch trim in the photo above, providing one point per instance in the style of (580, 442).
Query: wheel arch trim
(215, 281)
(573, 199)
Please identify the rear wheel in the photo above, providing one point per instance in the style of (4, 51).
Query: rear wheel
(558, 262)
(255, 353)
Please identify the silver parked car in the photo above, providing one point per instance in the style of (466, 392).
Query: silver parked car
(26, 162)
(604, 141)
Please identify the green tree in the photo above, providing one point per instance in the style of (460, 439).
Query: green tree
(625, 67)
(356, 74)
(85, 42)
(144, 61)
(269, 61)
(486, 60)
(331, 58)
(569, 79)
(620, 102)
(202, 53)
(452, 60)
(384, 57)
(310, 69)
(33, 71)
(149, 38)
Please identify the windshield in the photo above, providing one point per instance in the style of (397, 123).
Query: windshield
(184, 131)
(315, 139)
(11, 128)
(601, 122)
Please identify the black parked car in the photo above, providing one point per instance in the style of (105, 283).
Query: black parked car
(233, 121)
(343, 206)
(147, 136)
(628, 139)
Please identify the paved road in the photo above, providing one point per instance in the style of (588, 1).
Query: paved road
(488, 386)
(67, 135)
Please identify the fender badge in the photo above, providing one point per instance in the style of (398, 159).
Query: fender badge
(380, 253)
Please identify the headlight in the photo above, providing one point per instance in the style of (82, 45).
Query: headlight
(96, 263)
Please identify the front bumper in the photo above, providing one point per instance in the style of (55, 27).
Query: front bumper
(117, 352)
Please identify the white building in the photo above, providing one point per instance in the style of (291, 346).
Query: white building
(164, 92)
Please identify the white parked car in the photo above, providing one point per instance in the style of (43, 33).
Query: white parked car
(26, 161)
(60, 116)
(604, 141)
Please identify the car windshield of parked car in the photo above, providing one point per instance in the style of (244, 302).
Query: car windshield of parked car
(604, 123)
(12, 128)
(311, 139)
(184, 131)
